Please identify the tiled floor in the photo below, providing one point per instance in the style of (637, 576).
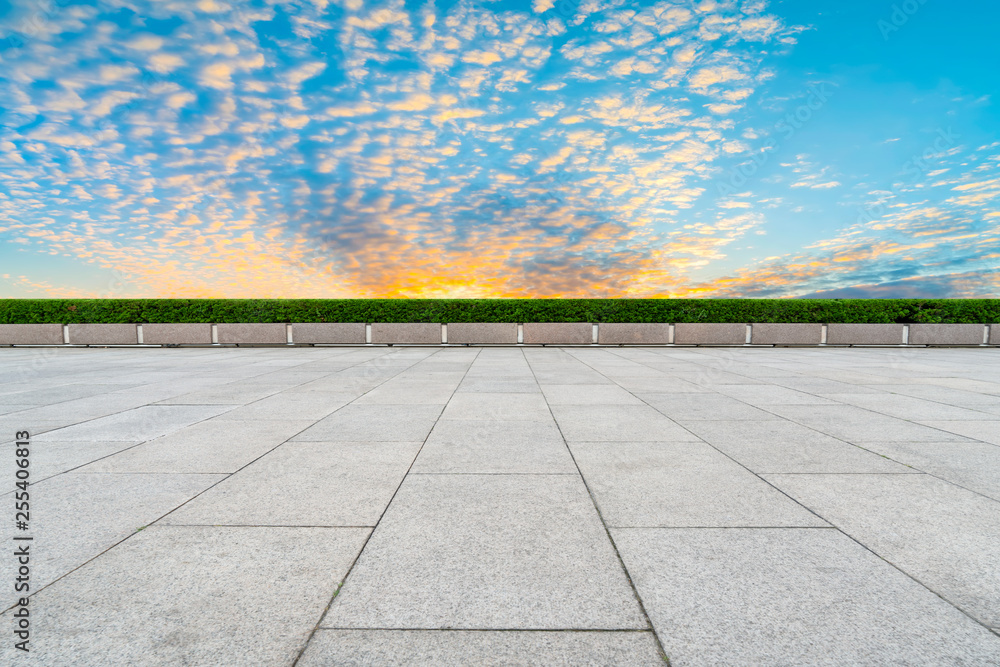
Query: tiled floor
(409, 505)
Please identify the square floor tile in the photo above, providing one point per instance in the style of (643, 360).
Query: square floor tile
(794, 596)
(144, 423)
(468, 446)
(490, 551)
(75, 516)
(176, 595)
(784, 446)
(617, 422)
(213, 446)
(599, 394)
(938, 533)
(973, 465)
(434, 648)
(306, 484)
(375, 423)
(680, 484)
(494, 406)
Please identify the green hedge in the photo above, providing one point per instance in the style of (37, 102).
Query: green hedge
(28, 311)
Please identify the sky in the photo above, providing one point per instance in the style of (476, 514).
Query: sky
(495, 148)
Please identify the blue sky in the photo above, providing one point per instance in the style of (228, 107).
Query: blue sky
(201, 148)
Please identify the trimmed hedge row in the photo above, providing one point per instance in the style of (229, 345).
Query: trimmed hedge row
(873, 311)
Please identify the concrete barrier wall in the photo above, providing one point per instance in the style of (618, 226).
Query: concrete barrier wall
(558, 333)
(864, 334)
(482, 333)
(198, 333)
(771, 333)
(252, 334)
(406, 333)
(534, 333)
(31, 334)
(103, 334)
(633, 334)
(946, 334)
(709, 334)
(330, 333)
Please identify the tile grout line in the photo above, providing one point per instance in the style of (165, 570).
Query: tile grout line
(159, 403)
(600, 517)
(846, 442)
(835, 526)
(836, 402)
(343, 581)
(171, 511)
(536, 630)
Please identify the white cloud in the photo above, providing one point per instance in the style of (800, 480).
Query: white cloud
(217, 75)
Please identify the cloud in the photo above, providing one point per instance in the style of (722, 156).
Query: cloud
(531, 153)
(481, 57)
(164, 63)
(946, 286)
(217, 75)
(295, 76)
(145, 42)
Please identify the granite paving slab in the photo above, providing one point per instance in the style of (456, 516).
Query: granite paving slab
(494, 446)
(285, 405)
(972, 465)
(857, 425)
(986, 431)
(233, 393)
(783, 505)
(44, 396)
(662, 484)
(431, 648)
(923, 525)
(193, 595)
(83, 409)
(53, 457)
(703, 406)
(352, 423)
(11, 424)
(574, 394)
(763, 395)
(791, 596)
(488, 552)
(908, 407)
(214, 446)
(414, 393)
(621, 423)
(306, 484)
(784, 446)
(485, 405)
(526, 385)
(142, 423)
(662, 383)
(949, 396)
(76, 516)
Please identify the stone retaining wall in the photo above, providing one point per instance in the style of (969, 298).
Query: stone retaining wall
(529, 333)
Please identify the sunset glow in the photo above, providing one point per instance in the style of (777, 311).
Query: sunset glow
(477, 148)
